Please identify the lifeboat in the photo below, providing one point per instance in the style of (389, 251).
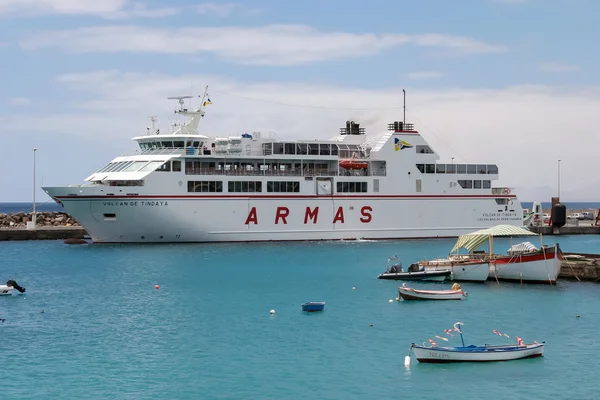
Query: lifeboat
(353, 164)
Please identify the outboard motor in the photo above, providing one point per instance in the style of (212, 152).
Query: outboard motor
(13, 283)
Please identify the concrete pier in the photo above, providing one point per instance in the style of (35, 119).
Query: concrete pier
(42, 233)
(584, 268)
(566, 230)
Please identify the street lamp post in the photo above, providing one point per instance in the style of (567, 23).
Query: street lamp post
(559, 179)
(34, 215)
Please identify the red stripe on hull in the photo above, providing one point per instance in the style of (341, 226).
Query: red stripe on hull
(526, 258)
(311, 196)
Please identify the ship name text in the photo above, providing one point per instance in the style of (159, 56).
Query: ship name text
(137, 203)
(310, 215)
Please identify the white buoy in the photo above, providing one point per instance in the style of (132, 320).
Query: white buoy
(397, 298)
(407, 361)
(272, 312)
(353, 288)
(391, 301)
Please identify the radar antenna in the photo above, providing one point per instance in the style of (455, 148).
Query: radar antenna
(181, 102)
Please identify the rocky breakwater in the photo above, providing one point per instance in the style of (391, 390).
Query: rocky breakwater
(43, 219)
(49, 226)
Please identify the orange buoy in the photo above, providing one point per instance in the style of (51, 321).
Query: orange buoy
(156, 287)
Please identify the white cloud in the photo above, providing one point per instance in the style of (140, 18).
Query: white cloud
(555, 67)
(523, 129)
(36, 7)
(218, 9)
(511, 1)
(269, 45)
(424, 75)
(20, 101)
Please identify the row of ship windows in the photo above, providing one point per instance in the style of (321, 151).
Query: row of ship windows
(457, 169)
(272, 187)
(475, 184)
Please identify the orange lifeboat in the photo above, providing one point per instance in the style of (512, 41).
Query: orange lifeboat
(353, 164)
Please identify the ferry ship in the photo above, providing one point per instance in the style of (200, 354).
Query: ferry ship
(182, 186)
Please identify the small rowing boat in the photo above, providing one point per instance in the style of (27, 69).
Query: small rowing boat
(408, 293)
(414, 273)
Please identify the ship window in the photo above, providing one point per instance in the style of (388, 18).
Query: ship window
(430, 168)
(154, 165)
(290, 148)
(110, 217)
(324, 149)
(105, 167)
(421, 167)
(450, 168)
(205, 186)
(283, 187)
(313, 149)
(123, 166)
(471, 169)
(440, 168)
(244, 186)
(482, 169)
(501, 202)
(277, 148)
(352, 187)
(492, 169)
(466, 184)
(301, 149)
(178, 144)
(176, 166)
(487, 184)
(135, 166)
(476, 184)
(461, 168)
(423, 149)
(166, 167)
(267, 149)
(334, 150)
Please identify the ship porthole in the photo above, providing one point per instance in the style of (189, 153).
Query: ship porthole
(161, 237)
(143, 237)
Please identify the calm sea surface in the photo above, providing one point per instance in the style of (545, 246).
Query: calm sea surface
(207, 334)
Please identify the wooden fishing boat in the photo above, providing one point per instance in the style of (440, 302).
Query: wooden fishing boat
(408, 293)
(472, 353)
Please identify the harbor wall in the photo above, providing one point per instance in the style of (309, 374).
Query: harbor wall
(566, 230)
(42, 233)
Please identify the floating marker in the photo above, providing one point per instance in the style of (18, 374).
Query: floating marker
(391, 301)
(577, 316)
(272, 312)
(156, 287)
(407, 361)
(353, 288)
(397, 298)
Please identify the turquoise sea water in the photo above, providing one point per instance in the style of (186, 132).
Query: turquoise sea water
(207, 333)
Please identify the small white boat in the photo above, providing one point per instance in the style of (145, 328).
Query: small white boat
(414, 273)
(11, 287)
(408, 293)
(472, 353)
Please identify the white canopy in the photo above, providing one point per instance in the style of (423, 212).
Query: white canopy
(472, 241)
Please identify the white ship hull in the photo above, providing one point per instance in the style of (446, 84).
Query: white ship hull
(139, 219)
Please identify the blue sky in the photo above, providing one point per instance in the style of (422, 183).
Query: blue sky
(487, 80)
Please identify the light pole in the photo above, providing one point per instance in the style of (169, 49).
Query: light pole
(34, 214)
(559, 179)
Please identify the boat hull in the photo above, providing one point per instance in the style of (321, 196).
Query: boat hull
(236, 218)
(313, 306)
(541, 267)
(415, 294)
(477, 354)
(462, 271)
(436, 276)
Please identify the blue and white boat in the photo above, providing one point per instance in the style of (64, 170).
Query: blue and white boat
(472, 353)
(312, 306)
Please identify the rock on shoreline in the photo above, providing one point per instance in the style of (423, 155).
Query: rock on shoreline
(49, 219)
